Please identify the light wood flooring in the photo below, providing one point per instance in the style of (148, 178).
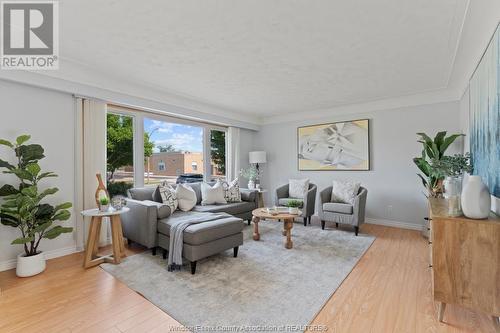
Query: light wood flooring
(387, 291)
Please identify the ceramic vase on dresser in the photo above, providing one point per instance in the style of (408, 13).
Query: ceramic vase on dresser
(476, 200)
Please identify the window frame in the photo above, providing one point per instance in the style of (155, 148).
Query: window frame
(138, 130)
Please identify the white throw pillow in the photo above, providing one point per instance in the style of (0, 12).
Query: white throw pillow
(345, 191)
(297, 188)
(168, 196)
(212, 195)
(186, 197)
(231, 190)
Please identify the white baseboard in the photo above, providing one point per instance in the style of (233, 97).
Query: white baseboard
(395, 224)
(9, 264)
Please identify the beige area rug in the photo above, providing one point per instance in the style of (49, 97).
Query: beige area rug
(265, 285)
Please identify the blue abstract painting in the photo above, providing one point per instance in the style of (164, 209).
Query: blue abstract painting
(485, 116)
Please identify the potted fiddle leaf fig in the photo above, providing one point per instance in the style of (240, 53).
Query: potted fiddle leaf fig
(24, 205)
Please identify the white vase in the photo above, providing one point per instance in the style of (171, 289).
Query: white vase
(29, 266)
(476, 200)
(251, 185)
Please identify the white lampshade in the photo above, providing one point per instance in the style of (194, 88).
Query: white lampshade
(257, 157)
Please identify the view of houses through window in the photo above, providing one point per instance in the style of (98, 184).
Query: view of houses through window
(173, 152)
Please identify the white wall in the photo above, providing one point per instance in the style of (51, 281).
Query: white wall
(392, 180)
(49, 117)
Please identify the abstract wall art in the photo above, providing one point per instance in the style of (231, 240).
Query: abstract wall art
(334, 146)
(484, 116)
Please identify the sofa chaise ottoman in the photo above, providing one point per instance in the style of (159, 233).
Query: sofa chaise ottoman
(148, 223)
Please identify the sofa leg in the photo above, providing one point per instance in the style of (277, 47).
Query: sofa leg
(336, 225)
(193, 267)
(249, 221)
(305, 221)
(164, 253)
(322, 224)
(129, 242)
(153, 250)
(356, 230)
(235, 251)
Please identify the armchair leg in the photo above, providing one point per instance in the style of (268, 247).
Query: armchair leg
(322, 224)
(129, 242)
(193, 267)
(305, 221)
(235, 251)
(164, 254)
(153, 250)
(249, 221)
(336, 225)
(356, 230)
(309, 219)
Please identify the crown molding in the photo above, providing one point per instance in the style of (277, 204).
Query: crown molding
(432, 97)
(122, 93)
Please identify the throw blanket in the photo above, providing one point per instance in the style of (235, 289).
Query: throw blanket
(181, 222)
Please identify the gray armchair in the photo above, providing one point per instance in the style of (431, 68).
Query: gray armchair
(341, 212)
(308, 202)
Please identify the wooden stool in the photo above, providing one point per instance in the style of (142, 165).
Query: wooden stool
(91, 259)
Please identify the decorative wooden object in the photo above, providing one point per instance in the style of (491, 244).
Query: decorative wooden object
(91, 258)
(261, 213)
(465, 261)
(100, 188)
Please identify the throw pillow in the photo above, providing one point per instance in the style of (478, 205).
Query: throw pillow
(344, 191)
(212, 195)
(186, 197)
(297, 188)
(168, 196)
(231, 190)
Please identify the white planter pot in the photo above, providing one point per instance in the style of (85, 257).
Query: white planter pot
(293, 210)
(251, 185)
(104, 208)
(476, 200)
(29, 266)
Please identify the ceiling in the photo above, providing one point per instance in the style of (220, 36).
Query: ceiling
(266, 58)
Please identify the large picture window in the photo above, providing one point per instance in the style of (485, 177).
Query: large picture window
(145, 149)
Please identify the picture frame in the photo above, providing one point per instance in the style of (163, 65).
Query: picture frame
(335, 146)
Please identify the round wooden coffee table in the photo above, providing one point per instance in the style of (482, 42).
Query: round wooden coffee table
(261, 213)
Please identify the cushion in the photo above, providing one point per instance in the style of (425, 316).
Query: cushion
(336, 207)
(212, 195)
(186, 197)
(162, 210)
(284, 201)
(231, 190)
(230, 208)
(168, 196)
(141, 193)
(344, 191)
(297, 188)
(205, 232)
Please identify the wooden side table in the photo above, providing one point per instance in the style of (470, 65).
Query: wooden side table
(260, 194)
(91, 259)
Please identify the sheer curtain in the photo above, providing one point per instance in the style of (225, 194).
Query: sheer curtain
(233, 150)
(90, 159)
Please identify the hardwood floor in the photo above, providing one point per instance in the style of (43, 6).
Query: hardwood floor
(387, 291)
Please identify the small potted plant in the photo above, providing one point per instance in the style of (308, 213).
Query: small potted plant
(24, 205)
(293, 206)
(251, 173)
(452, 168)
(104, 204)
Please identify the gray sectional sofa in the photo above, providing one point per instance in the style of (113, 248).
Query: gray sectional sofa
(149, 220)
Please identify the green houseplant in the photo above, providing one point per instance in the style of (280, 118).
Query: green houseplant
(23, 205)
(104, 204)
(293, 206)
(251, 173)
(433, 150)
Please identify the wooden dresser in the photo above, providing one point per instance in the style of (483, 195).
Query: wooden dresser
(465, 261)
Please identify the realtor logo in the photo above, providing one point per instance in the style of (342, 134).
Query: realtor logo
(29, 36)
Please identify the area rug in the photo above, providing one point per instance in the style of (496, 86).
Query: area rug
(265, 285)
